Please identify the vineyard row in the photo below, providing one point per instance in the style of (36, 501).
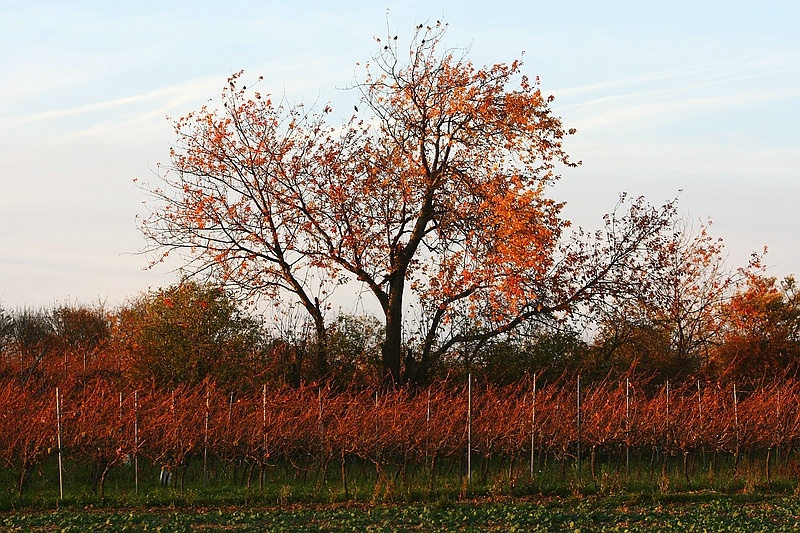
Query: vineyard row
(97, 424)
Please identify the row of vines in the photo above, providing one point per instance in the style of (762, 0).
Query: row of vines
(311, 427)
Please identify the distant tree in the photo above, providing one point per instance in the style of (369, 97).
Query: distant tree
(5, 322)
(547, 353)
(80, 332)
(355, 348)
(440, 193)
(6, 328)
(760, 335)
(663, 319)
(29, 341)
(186, 333)
(640, 347)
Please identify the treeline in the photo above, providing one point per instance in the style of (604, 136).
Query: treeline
(189, 333)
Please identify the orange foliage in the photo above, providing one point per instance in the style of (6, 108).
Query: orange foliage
(442, 190)
(760, 331)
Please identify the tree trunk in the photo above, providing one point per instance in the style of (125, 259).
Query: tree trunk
(23, 477)
(183, 468)
(321, 347)
(250, 470)
(392, 348)
(101, 482)
(431, 470)
(344, 476)
(686, 465)
(767, 469)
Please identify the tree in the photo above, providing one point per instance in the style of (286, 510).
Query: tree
(6, 329)
(30, 341)
(665, 319)
(80, 332)
(439, 193)
(547, 353)
(186, 333)
(230, 200)
(354, 348)
(760, 331)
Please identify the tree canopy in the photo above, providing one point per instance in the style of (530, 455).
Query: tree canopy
(184, 334)
(435, 191)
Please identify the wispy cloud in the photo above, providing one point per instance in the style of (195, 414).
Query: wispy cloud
(734, 69)
(660, 97)
(165, 97)
(719, 84)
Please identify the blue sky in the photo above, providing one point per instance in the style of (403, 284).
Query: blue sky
(698, 96)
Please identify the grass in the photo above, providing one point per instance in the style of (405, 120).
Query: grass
(552, 500)
(699, 512)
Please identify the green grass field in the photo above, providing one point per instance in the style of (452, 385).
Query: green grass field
(687, 512)
(645, 499)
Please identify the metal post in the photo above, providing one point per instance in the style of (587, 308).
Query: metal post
(627, 426)
(136, 440)
(469, 429)
(60, 459)
(700, 422)
(736, 421)
(205, 443)
(428, 430)
(264, 408)
(533, 423)
(579, 426)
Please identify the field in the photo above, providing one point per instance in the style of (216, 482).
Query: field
(687, 512)
(609, 501)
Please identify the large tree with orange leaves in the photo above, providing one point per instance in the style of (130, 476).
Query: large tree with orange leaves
(435, 191)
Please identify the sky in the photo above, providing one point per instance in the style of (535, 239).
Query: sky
(697, 97)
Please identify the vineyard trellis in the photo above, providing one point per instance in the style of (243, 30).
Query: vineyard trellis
(308, 429)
